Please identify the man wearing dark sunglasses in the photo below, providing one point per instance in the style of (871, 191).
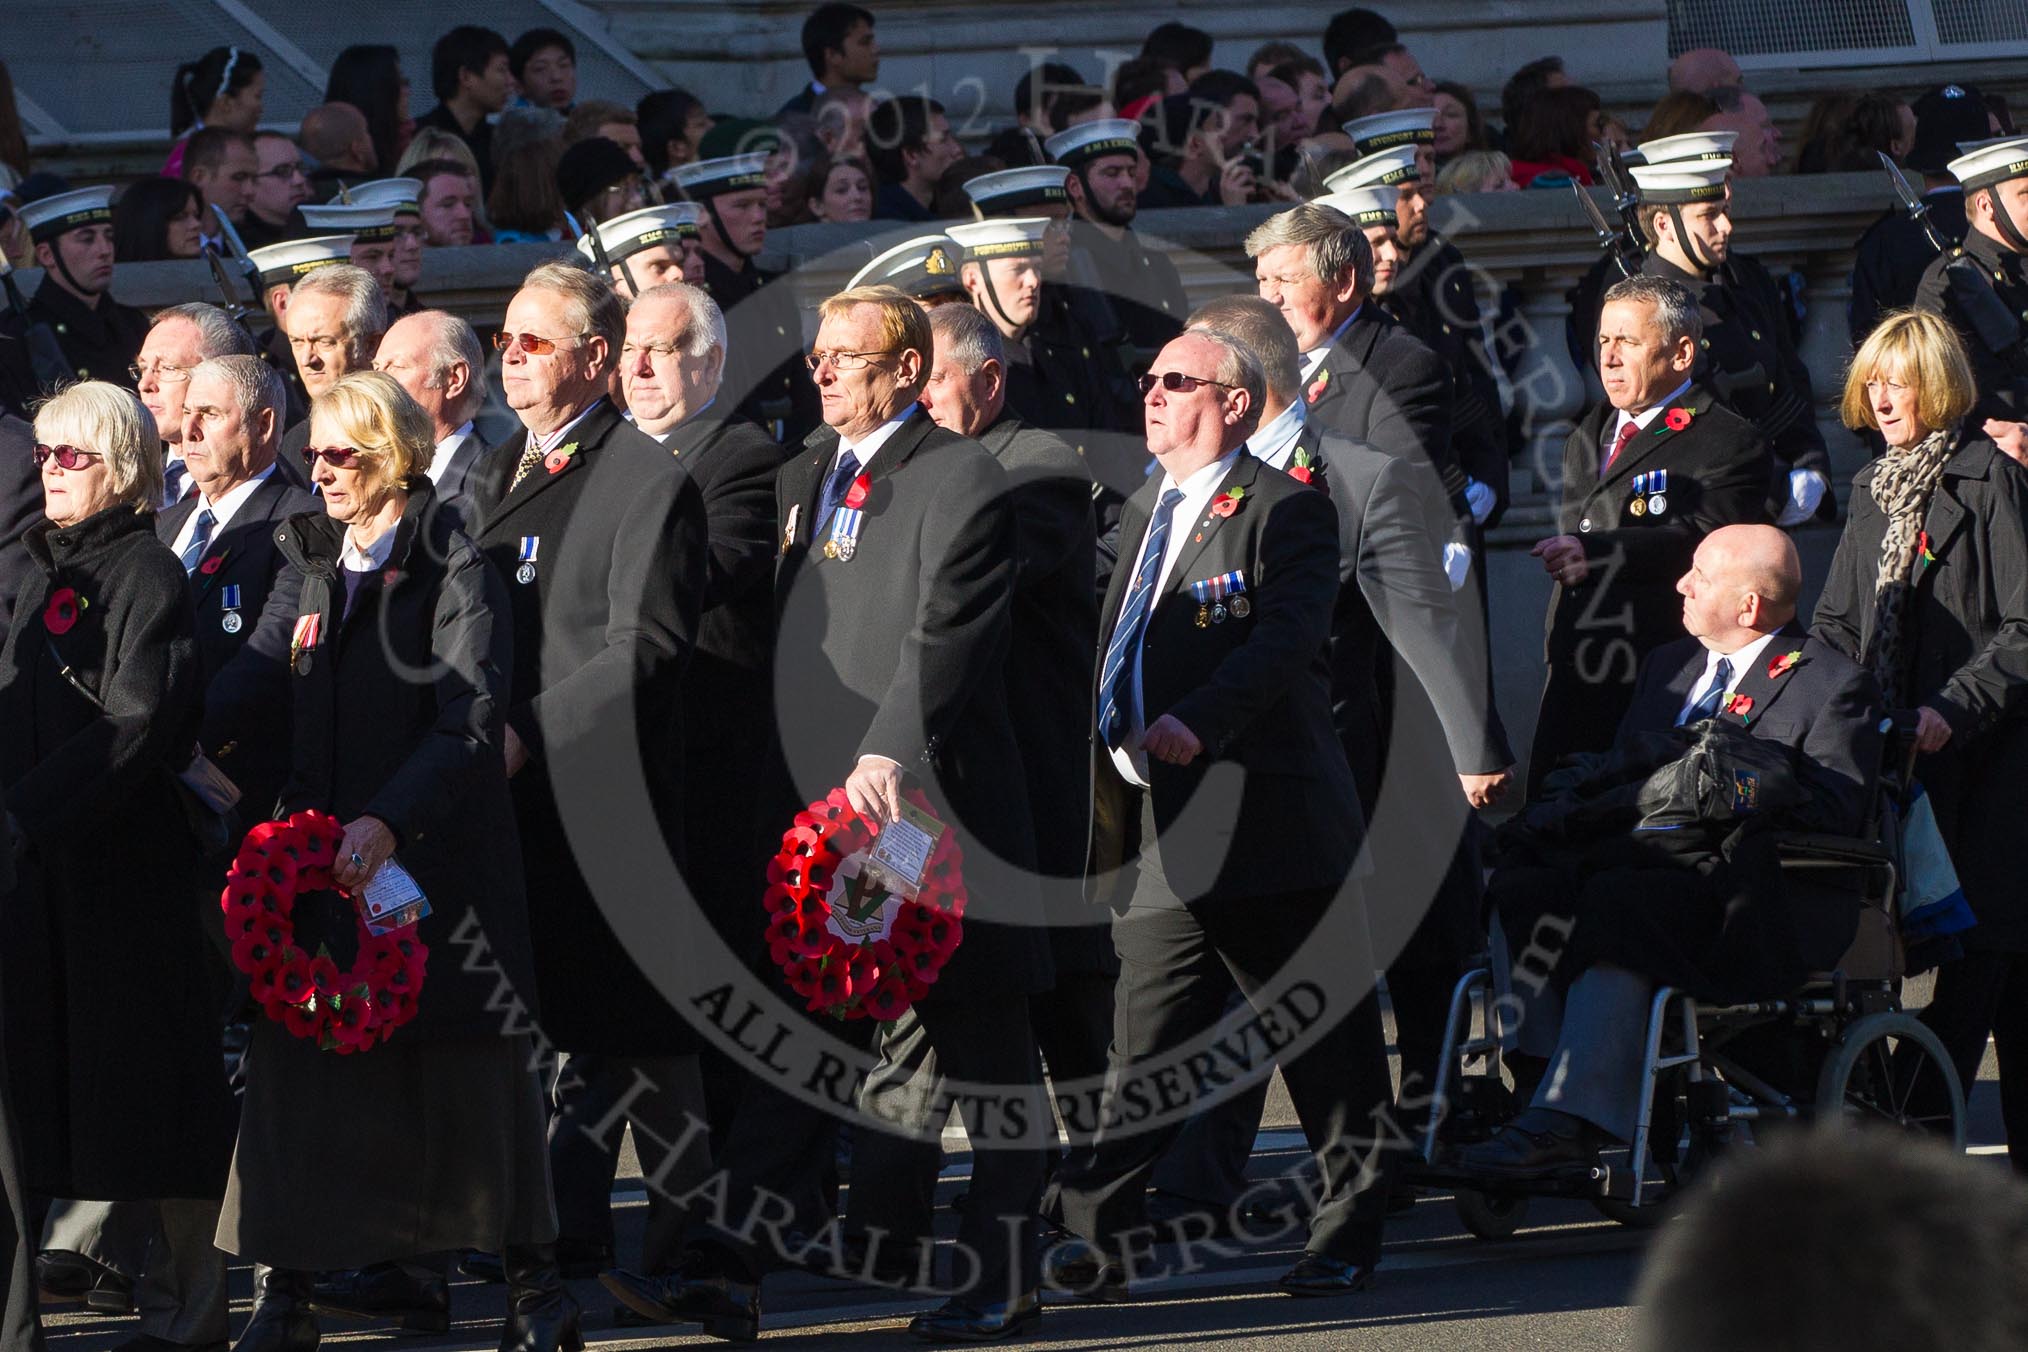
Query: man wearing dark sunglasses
(1212, 692)
(600, 537)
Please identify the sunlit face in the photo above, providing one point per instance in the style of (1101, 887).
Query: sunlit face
(230, 183)
(742, 220)
(1386, 258)
(1109, 189)
(1708, 227)
(857, 401)
(408, 251)
(351, 494)
(1714, 599)
(1453, 126)
(963, 403)
(847, 195)
(71, 495)
(1636, 363)
(220, 448)
(1896, 405)
(1405, 68)
(447, 209)
(405, 354)
(649, 267)
(1189, 420)
(1313, 307)
(169, 353)
(568, 377)
(315, 324)
(87, 252)
(663, 383)
(1016, 286)
(377, 257)
(1411, 213)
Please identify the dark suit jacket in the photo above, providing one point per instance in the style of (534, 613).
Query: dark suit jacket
(902, 652)
(1270, 805)
(100, 341)
(764, 373)
(20, 508)
(1049, 672)
(729, 828)
(1379, 384)
(601, 635)
(289, 460)
(454, 489)
(1435, 300)
(2002, 376)
(1599, 631)
(249, 742)
(1825, 707)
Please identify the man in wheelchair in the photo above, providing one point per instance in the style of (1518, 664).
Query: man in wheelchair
(1654, 863)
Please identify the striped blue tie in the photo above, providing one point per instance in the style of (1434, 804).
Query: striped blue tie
(1713, 696)
(200, 540)
(1116, 680)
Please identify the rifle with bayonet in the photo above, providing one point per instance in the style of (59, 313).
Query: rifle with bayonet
(606, 264)
(1622, 244)
(228, 294)
(1996, 325)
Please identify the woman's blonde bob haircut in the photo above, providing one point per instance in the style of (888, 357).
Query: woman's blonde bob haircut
(375, 416)
(93, 415)
(1919, 350)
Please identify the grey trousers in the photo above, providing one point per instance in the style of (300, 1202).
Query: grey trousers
(180, 1286)
(1600, 1035)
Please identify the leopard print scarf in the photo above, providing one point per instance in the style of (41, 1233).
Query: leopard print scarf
(1903, 482)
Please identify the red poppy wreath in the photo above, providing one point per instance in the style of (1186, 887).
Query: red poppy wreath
(341, 1012)
(849, 946)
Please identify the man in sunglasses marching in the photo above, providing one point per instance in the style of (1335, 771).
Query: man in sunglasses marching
(600, 536)
(1213, 751)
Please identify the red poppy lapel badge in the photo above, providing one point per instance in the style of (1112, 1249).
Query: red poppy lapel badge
(1316, 388)
(212, 564)
(1302, 465)
(1676, 419)
(1226, 503)
(1783, 665)
(1923, 552)
(558, 460)
(65, 605)
(855, 496)
(1741, 705)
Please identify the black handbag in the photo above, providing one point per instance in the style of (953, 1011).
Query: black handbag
(213, 822)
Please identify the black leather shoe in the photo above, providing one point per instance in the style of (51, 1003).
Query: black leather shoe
(65, 1275)
(1316, 1274)
(281, 1321)
(961, 1322)
(541, 1312)
(1540, 1141)
(413, 1299)
(727, 1307)
(1077, 1268)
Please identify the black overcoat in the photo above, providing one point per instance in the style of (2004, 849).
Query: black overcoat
(1599, 631)
(902, 652)
(111, 1023)
(1966, 639)
(602, 631)
(1380, 385)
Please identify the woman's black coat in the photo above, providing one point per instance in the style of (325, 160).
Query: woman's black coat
(1966, 643)
(398, 713)
(110, 1020)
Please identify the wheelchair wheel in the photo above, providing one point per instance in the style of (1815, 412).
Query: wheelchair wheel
(1491, 1215)
(1890, 1070)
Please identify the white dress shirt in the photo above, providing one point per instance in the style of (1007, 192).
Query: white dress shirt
(1640, 420)
(1128, 757)
(1742, 662)
(222, 512)
(1274, 441)
(869, 445)
(369, 560)
(447, 451)
(1315, 356)
(562, 434)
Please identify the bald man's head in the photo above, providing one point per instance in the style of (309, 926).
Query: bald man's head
(1702, 69)
(1743, 583)
(336, 134)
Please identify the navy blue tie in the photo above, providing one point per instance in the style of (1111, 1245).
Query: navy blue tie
(835, 488)
(200, 540)
(1117, 711)
(1713, 696)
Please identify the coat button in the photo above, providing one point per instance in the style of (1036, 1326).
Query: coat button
(1584, 525)
(1755, 333)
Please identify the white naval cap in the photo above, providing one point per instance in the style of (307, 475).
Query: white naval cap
(1020, 237)
(1991, 162)
(281, 264)
(643, 229)
(1008, 190)
(1366, 206)
(48, 217)
(1088, 141)
(1681, 182)
(1385, 131)
(1694, 145)
(1384, 169)
(366, 224)
(924, 266)
(700, 179)
(404, 195)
